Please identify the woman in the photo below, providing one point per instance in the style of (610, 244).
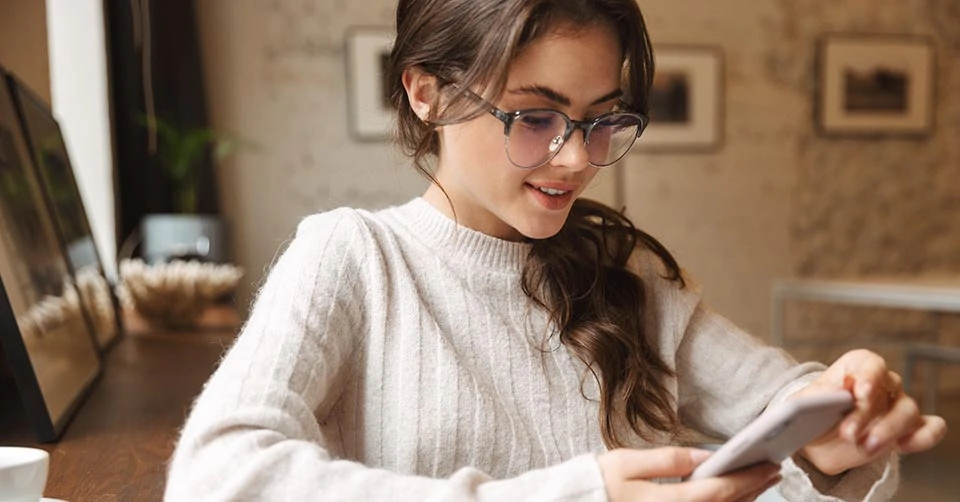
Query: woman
(498, 339)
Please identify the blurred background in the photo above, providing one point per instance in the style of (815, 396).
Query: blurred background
(772, 195)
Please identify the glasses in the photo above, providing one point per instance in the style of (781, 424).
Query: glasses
(534, 137)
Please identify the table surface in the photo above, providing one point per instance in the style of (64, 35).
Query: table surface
(117, 446)
(934, 293)
(925, 292)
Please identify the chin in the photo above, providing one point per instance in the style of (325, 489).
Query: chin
(541, 231)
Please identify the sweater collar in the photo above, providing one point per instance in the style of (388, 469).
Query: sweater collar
(460, 243)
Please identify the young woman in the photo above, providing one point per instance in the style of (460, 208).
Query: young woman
(499, 339)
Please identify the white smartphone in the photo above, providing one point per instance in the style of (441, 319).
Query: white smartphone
(778, 433)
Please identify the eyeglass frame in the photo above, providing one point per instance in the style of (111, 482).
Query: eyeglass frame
(584, 125)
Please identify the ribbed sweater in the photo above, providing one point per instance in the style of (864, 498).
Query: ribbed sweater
(392, 355)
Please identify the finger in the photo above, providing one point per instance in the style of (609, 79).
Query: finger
(903, 418)
(660, 462)
(733, 486)
(869, 381)
(931, 431)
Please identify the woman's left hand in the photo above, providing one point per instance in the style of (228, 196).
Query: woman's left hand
(883, 417)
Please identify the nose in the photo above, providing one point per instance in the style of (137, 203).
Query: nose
(573, 153)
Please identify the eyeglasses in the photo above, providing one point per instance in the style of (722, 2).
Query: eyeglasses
(534, 137)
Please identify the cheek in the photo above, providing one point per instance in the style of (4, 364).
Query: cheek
(476, 145)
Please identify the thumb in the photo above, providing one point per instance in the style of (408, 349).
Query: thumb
(661, 462)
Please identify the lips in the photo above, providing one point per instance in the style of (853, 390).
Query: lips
(552, 196)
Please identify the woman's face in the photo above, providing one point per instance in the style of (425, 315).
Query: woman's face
(573, 70)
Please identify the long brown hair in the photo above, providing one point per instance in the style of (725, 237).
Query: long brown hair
(580, 275)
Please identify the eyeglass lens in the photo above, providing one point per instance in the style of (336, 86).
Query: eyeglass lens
(536, 136)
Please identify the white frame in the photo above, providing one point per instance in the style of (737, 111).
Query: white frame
(368, 117)
(704, 130)
(915, 56)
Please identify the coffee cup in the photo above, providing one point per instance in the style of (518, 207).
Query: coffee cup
(23, 473)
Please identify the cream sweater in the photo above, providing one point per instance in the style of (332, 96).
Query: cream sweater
(393, 356)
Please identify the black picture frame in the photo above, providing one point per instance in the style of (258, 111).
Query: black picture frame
(44, 333)
(44, 139)
(875, 85)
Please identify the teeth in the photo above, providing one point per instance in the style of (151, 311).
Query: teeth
(551, 191)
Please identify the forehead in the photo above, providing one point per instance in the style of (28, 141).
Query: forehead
(582, 62)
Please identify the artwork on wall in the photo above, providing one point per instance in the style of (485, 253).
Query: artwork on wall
(686, 101)
(874, 85)
(55, 171)
(368, 53)
(44, 331)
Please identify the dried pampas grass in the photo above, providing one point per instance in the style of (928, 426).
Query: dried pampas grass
(175, 294)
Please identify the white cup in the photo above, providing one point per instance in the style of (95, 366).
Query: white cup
(23, 473)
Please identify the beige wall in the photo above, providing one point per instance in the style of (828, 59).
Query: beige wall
(23, 43)
(776, 200)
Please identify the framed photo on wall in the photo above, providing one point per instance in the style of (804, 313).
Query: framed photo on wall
(875, 85)
(368, 53)
(686, 101)
(44, 332)
(55, 171)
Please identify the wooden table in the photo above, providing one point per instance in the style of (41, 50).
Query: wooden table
(117, 446)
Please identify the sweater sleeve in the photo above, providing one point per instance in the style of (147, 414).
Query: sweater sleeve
(726, 378)
(253, 432)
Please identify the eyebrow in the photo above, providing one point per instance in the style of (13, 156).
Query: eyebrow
(558, 97)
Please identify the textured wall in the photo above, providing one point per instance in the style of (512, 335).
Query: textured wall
(776, 200)
(275, 76)
(882, 206)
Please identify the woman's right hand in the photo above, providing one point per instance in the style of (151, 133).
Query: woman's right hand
(628, 473)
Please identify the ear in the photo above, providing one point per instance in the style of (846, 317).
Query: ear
(421, 90)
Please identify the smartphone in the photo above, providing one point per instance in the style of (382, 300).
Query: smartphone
(778, 433)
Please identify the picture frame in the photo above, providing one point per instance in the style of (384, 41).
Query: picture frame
(686, 100)
(370, 114)
(44, 334)
(875, 85)
(45, 141)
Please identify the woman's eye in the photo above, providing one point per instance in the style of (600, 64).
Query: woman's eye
(536, 121)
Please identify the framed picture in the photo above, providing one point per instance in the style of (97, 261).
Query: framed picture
(686, 101)
(368, 53)
(55, 171)
(44, 332)
(875, 85)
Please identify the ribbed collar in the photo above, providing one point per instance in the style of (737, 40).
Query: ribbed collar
(460, 243)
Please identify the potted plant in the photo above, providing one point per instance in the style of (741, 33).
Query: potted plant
(184, 234)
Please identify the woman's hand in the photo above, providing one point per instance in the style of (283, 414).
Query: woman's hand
(628, 474)
(883, 418)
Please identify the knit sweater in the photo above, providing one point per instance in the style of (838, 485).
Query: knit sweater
(392, 355)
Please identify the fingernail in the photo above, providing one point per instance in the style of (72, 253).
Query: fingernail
(700, 455)
(872, 444)
(862, 390)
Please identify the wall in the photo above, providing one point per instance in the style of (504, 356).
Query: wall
(23, 43)
(776, 200)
